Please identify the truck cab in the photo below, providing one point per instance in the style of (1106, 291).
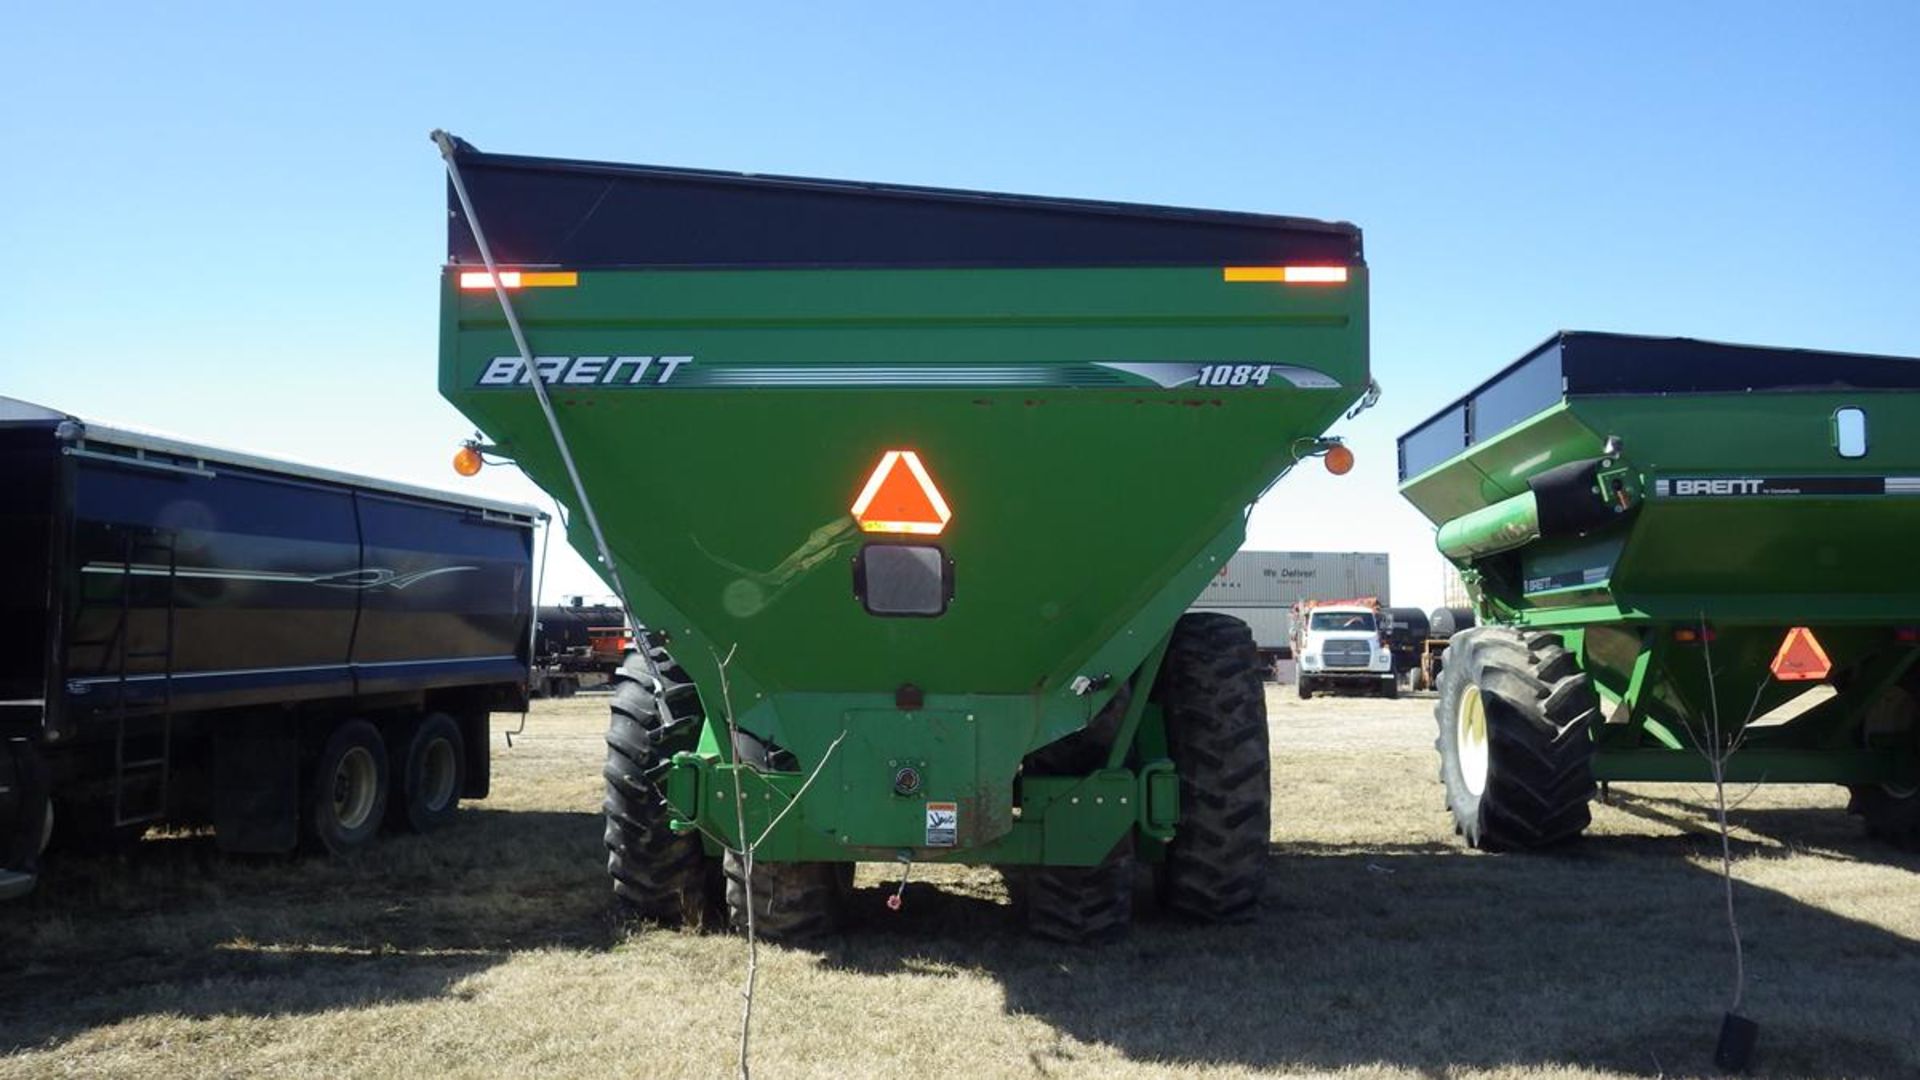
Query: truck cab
(1340, 648)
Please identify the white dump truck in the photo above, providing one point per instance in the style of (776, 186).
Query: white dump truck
(1261, 588)
(1340, 646)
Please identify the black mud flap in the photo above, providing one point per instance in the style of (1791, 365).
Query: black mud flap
(473, 730)
(256, 790)
(24, 788)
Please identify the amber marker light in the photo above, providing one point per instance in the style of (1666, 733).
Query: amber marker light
(1339, 459)
(520, 279)
(466, 461)
(1287, 275)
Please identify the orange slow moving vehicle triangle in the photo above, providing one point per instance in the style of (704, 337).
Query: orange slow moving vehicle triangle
(900, 497)
(1801, 659)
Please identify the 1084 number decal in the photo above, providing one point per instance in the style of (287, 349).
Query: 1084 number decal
(1234, 375)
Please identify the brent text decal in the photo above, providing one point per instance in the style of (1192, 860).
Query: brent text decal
(1697, 487)
(584, 370)
(666, 372)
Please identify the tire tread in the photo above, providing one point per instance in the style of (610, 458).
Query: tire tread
(1540, 706)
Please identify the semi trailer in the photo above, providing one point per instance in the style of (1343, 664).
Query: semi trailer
(292, 655)
(1680, 552)
(917, 486)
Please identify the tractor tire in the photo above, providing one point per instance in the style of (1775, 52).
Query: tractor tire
(793, 902)
(658, 874)
(1216, 716)
(1516, 752)
(1892, 813)
(347, 790)
(1078, 905)
(431, 774)
(1891, 816)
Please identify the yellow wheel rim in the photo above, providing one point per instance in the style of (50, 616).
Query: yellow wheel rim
(1470, 739)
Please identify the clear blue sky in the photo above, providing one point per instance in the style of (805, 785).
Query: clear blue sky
(226, 220)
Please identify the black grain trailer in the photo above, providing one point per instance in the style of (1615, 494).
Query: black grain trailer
(193, 635)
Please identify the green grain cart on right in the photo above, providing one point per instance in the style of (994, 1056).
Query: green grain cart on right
(1680, 551)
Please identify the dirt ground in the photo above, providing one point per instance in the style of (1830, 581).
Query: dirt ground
(1383, 950)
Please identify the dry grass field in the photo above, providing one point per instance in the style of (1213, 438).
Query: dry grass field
(1384, 950)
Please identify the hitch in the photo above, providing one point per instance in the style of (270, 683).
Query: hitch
(684, 787)
(1159, 800)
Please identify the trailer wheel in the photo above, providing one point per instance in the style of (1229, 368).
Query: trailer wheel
(793, 902)
(1078, 905)
(657, 873)
(1516, 754)
(432, 774)
(1216, 716)
(347, 790)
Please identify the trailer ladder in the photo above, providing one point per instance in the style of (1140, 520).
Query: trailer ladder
(148, 733)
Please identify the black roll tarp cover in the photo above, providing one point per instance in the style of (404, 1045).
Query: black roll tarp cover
(1601, 363)
(1572, 363)
(583, 215)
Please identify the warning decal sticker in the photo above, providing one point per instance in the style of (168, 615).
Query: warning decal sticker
(943, 824)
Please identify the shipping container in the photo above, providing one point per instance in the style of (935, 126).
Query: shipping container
(1284, 578)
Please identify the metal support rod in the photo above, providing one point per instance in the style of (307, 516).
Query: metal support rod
(545, 536)
(1140, 686)
(445, 142)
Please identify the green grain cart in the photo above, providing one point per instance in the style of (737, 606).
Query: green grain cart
(914, 485)
(1688, 552)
